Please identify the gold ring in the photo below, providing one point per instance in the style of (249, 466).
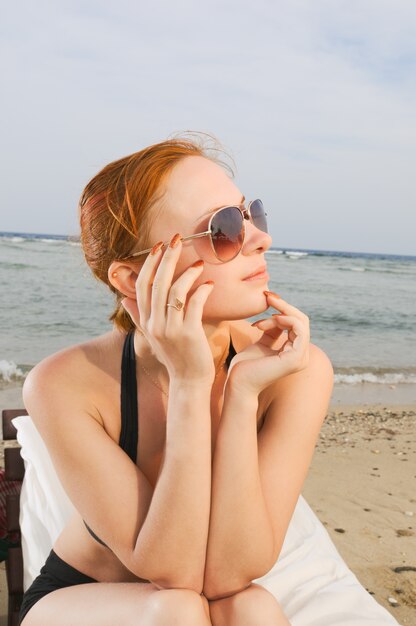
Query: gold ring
(178, 304)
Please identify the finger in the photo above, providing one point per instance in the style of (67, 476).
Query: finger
(196, 303)
(296, 328)
(145, 280)
(282, 305)
(180, 289)
(271, 322)
(162, 283)
(270, 329)
(282, 321)
(290, 321)
(270, 338)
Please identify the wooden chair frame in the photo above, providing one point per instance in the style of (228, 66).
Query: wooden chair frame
(14, 471)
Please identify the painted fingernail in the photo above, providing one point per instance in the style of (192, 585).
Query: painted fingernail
(199, 263)
(271, 293)
(175, 240)
(156, 247)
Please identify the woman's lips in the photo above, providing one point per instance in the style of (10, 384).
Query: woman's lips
(261, 276)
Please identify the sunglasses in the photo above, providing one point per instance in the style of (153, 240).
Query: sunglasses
(226, 229)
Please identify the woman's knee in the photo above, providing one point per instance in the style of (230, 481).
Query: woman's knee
(255, 605)
(177, 606)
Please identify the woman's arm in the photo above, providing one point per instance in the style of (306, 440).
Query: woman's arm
(257, 480)
(159, 534)
(172, 541)
(240, 538)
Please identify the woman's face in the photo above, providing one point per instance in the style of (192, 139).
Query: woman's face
(195, 187)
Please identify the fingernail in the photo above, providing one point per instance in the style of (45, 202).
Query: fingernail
(156, 247)
(175, 240)
(199, 263)
(271, 293)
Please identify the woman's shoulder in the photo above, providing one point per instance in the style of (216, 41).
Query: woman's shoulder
(73, 371)
(76, 356)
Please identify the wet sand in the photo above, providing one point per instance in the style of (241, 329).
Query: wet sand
(361, 485)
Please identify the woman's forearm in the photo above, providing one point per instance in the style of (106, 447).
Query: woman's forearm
(240, 539)
(171, 545)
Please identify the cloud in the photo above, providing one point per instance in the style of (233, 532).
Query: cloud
(316, 101)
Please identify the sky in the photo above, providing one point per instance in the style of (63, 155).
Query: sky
(315, 101)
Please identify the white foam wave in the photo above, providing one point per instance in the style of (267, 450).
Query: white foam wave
(13, 239)
(295, 255)
(45, 240)
(388, 378)
(9, 371)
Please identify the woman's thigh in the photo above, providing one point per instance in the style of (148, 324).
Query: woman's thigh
(118, 604)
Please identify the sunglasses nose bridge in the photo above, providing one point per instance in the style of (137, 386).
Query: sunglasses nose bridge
(245, 213)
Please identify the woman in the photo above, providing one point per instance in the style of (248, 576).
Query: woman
(184, 471)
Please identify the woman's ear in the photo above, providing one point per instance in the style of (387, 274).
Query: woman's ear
(123, 277)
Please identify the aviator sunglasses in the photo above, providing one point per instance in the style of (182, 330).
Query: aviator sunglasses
(226, 229)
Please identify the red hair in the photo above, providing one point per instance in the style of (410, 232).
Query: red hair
(115, 209)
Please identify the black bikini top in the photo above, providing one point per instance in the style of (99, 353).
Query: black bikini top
(129, 434)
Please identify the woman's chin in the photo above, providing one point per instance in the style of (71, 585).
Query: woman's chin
(254, 305)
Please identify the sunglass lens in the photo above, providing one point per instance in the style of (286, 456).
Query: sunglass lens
(227, 233)
(258, 215)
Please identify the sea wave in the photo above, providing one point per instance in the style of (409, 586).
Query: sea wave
(12, 239)
(294, 254)
(377, 270)
(47, 240)
(10, 372)
(385, 378)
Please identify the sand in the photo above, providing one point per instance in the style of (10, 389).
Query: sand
(361, 485)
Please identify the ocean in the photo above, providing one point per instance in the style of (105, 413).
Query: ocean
(362, 307)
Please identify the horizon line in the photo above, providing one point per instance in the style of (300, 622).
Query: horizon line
(77, 238)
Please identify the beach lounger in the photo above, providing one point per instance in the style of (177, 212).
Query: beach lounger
(14, 473)
(310, 579)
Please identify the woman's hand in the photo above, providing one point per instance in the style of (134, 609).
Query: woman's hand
(261, 363)
(176, 337)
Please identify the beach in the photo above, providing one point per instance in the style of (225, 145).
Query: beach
(361, 486)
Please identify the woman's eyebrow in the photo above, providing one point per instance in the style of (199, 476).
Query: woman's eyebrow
(243, 199)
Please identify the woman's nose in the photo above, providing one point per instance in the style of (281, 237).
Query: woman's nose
(256, 239)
